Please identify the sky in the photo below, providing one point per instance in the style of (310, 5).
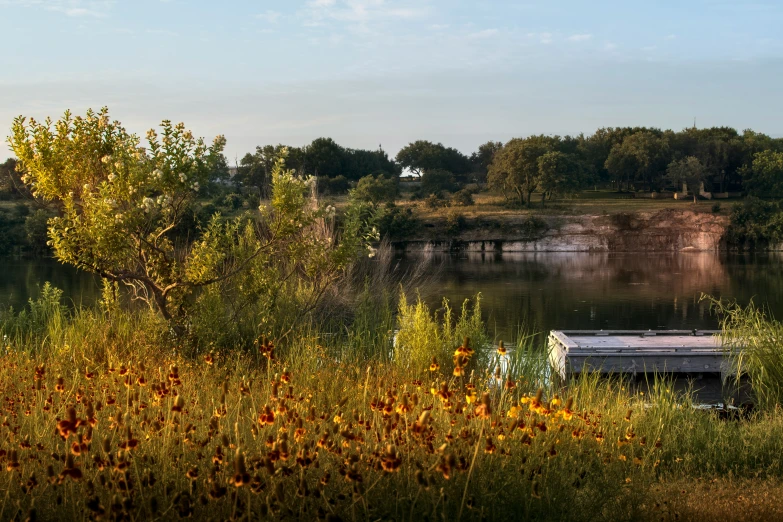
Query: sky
(388, 72)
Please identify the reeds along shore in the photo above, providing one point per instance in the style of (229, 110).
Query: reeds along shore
(133, 431)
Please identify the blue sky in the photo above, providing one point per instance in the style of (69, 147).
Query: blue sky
(370, 72)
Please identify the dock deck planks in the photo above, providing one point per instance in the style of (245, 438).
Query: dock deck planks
(624, 351)
(694, 360)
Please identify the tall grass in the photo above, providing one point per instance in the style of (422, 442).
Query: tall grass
(754, 342)
(303, 431)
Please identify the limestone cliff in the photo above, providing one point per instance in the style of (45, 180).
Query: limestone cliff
(662, 231)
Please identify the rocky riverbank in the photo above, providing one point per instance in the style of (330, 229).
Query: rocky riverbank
(661, 231)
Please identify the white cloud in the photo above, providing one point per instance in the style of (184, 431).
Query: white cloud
(486, 33)
(360, 12)
(671, 37)
(610, 46)
(544, 38)
(579, 37)
(162, 32)
(270, 16)
(439, 27)
(650, 48)
(72, 8)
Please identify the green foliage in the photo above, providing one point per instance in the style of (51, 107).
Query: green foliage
(764, 178)
(395, 223)
(376, 190)
(752, 340)
(232, 201)
(515, 168)
(117, 201)
(437, 181)
(755, 222)
(11, 186)
(688, 170)
(423, 335)
(483, 157)
(36, 231)
(333, 186)
(436, 201)
(11, 231)
(560, 174)
(462, 198)
(640, 157)
(120, 206)
(422, 156)
(455, 222)
(43, 316)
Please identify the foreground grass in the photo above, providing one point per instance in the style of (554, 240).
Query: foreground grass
(246, 438)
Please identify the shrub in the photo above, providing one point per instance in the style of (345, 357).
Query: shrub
(533, 228)
(436, 201)
(716, 208)
(462, 198)
(394, 222)
(35, 228)
(437, 181)
(11, 232)
(455, 222)
(376, 189)
(755, 222)
(333, 186)
(421, 336)
(232, 201)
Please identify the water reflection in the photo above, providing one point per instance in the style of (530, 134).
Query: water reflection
(603, 290)
(21, 279)
(549, 290)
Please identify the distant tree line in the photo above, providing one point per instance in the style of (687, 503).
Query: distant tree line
(623, 158)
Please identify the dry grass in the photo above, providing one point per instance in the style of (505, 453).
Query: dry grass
(724, 499)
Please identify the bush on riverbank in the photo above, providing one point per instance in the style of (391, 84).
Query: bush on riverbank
(755, 223)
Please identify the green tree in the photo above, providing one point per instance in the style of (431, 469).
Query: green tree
(437, 181)
(641, 157)
(515, 169)
(421, 156)
(324, 157)
(376, 189)
(483, 157)
(255, 170)
(118, 204)
(688, 170)
(361, 162)
(560, 174)
(764, 178)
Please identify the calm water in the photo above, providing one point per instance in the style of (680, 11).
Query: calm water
(21, 279)
(603, 291)
(550, 291)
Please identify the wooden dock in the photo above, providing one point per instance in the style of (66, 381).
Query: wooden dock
(693, 359)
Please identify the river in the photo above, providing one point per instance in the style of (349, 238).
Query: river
(543, 290)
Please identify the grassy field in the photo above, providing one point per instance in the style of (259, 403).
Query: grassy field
(494, 206)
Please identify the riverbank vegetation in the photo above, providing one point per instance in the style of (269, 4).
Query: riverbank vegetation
(110, 417)
(272, 364)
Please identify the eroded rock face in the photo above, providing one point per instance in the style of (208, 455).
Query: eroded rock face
(662, 231)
